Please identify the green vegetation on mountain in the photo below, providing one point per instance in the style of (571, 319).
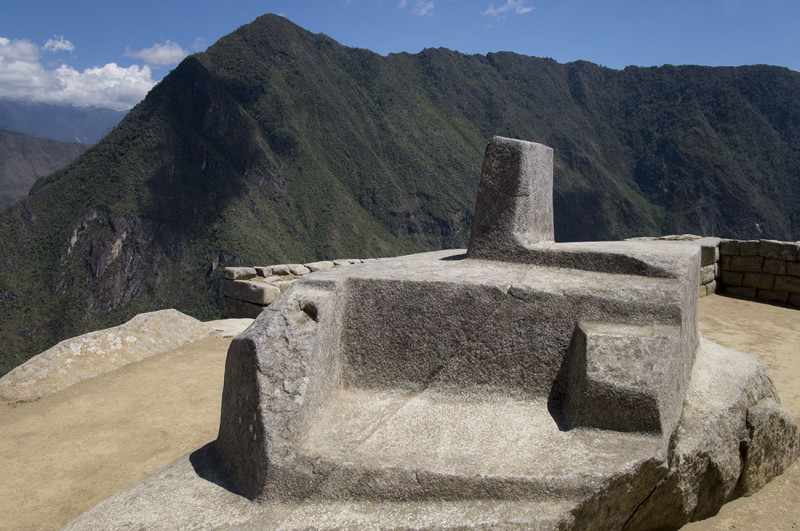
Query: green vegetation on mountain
(277, 145)
(23, 159)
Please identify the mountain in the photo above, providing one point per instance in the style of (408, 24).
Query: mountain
(23, 159)
(277, 145)
(85, 125)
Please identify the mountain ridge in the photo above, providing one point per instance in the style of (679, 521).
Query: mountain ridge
(277, 145)
(24, 159)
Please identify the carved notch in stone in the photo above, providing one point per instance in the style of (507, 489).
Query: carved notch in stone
(514, 208)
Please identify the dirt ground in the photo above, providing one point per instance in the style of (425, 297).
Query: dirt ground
(62, 454)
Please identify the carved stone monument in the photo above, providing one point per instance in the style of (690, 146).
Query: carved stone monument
(524, 383)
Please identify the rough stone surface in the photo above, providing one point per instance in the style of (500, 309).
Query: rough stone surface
(716, 449)
(515, 198)
(320, 266)
(790, 284)
(531, 384)
(298, 270)
(239, 273)
(89, 355)
(729, 248)
(238, 308)
(250, 291)
(280, 269)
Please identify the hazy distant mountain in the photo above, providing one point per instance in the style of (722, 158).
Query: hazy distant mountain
(23, 159)
(59, 122)
(278, 145)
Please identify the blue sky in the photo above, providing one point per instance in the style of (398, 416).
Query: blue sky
(109, 53)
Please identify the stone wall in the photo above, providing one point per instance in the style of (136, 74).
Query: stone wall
(766, 270)
(245, 291)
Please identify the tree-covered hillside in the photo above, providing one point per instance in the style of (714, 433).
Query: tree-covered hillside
(23, 159)
(278, 145)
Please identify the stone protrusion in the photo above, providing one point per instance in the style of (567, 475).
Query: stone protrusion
(625, 377)
(514, 207)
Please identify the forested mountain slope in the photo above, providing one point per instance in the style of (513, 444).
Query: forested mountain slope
(278, 145)
(23, 159)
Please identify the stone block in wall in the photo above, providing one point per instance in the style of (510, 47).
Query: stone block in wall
(729, 248)
(280, 269)
(793, 269)
(731, 278)
(790, 284)
(772, 296)
(774, 267)
(794, 299)
(341, 262)
(319, 266)
(708, 273)
(708, 254)
(250, 291)
(743, 263)
(778, 250)
(748, 248)
(234, 308)
(711, 287)
(748, 293)
(298, 270)
(758, 280)
(239, 273)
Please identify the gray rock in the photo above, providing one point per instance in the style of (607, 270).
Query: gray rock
(280, 269)
(341, 262)
(95, 353)
(543, 385)
(240, 273)
(250, 291)
(298, 270)
(320, 266)
(515, 198)
(708, 273)
(235, 308)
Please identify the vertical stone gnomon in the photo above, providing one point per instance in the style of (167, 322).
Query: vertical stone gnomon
(514, 208)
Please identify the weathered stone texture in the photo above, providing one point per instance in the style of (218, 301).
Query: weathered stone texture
(758, 280)
(749, 248)
(514, 207)
(320, 266)
(239, 273)
(250, 291)
(774, 267)
(743, 263)
(729, 248)
(790, 284)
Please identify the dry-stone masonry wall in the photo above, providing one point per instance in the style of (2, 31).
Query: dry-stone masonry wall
(767, 270)
(245, 291)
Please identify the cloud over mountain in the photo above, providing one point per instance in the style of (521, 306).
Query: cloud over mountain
(24, 76)
(160, 54)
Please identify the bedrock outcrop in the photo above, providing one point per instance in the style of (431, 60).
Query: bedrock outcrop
(519, 383)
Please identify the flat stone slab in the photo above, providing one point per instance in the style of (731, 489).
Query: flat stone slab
(192, 492)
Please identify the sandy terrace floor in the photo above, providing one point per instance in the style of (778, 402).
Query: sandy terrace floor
(62, 454)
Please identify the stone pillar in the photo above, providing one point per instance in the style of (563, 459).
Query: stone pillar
(514, 208)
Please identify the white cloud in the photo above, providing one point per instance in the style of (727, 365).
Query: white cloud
(517, 7)
(160, 54)
(55, 45)
(419, 7)
(22, 76)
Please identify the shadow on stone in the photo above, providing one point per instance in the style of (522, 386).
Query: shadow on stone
(208, 466)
